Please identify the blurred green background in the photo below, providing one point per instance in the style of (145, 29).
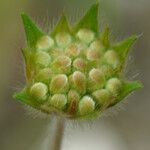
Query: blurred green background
(125, 127)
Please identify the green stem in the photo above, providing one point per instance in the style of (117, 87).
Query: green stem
(58, 134)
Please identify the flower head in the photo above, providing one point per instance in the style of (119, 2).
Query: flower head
(74, 71)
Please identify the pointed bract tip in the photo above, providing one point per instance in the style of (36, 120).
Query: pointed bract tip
(127, 89)
(123, 47)
(89, 20)
(62, 25)
(33, 33)
(139, 85)
(132, 86)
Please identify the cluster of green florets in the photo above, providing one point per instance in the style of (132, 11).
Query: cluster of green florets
(75, 74)
(72, 73)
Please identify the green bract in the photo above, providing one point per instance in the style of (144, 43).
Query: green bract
(75, 72)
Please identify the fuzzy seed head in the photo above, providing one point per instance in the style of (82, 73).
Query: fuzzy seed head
(76, 72)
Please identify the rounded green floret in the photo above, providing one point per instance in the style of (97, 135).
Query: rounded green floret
(114, 85)
(39, 90)
(42, 58)
(63, 39)
(75, 72)
(86, 35)
(102, 96)
(58, 101)
(111, 57)
(58, 84)
(44, 43)
(86, 105)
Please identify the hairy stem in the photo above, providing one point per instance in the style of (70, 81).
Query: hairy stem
(58, 134)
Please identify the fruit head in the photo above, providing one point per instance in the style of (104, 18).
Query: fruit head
(75, 72)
